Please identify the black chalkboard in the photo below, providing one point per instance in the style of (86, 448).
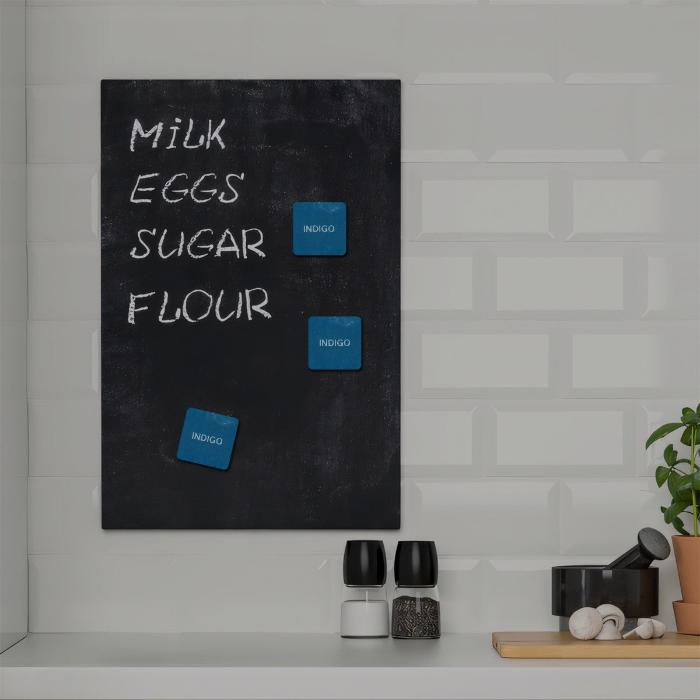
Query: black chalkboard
(314, 449)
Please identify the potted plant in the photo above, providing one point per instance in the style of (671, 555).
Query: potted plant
(681, 475)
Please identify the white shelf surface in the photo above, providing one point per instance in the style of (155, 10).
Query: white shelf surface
(318, 666)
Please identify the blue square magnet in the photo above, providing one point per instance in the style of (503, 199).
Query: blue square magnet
(207, 438)
(335, 342)
(319, 228)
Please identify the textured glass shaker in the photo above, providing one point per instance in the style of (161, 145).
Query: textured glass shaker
(364, 612)
(415, 610)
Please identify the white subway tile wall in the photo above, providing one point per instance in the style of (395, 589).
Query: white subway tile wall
(436, 284)
(484, 206)
(550, 297)
(477, 361)
(436, 437)
(560, 284)
(13, 326)
(560, 438)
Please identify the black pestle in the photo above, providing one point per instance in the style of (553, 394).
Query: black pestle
(651, 545)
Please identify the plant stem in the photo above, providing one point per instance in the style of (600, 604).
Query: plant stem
(693, 467)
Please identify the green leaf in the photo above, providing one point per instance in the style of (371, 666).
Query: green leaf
(696, 480)
(689, 417)
(684, 485)
(687, 435)
(670, 455)
(671, 513)
(678, 524)
(673, 479)
(662, 474)
(662, 431)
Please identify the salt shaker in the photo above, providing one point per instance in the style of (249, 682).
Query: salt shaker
(415, 612)
(365, 611)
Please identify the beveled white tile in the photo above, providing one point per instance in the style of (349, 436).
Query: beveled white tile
(12, 94)
(671, 272)
(605, 206)
(436, 437)
(13, 282)
(457, 514)
(13, 359)
(479, 201)
(556, 123)
(462, 595)
(666, 119)
(459, 43)
(13, 437)
(65, 437)
(603, 516)
(63, 123)
(519, 594)
(633, 202)
(560, 438)
(63, 203)
(64, 282)
(485, 206)
(560, 284)
(633, 44)
(63, 359)
(634, 361)
(13, 203)
(436, 283)
(66, 42)
(13, 573)
(439, 123)
(461, 360)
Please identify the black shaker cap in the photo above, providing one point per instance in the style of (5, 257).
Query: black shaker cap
(364, 563)
(416, 564)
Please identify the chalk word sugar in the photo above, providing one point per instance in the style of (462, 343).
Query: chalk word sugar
(200, 244)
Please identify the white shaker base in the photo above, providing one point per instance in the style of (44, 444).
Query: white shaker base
(364, 618)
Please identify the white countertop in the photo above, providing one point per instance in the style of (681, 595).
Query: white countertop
(317, 666)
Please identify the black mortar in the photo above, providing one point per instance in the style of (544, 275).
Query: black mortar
(634, 591)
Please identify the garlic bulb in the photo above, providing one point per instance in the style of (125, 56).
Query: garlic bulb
(647, 629)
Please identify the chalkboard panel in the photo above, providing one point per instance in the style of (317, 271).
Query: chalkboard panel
(207, 311)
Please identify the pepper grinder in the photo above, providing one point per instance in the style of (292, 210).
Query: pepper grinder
(415, 612)
(365, 611)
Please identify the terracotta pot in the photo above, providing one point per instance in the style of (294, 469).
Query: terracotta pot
(687, 611)
(687, 617)
(687, 551)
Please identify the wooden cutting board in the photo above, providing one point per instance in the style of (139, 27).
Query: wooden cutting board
(561, 645)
